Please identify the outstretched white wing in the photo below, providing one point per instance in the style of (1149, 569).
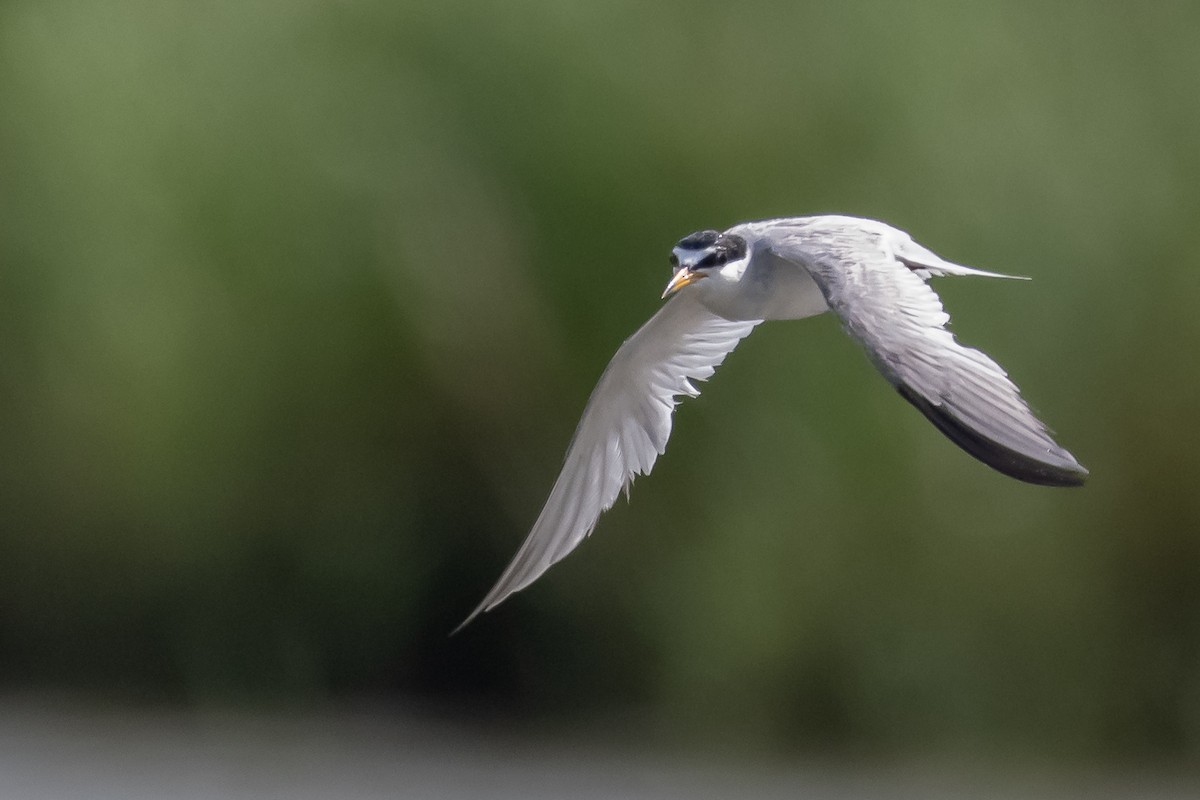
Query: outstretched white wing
(624, 428)
(874, 277)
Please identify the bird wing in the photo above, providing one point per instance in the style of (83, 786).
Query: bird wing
(624, 428)
(874, 278)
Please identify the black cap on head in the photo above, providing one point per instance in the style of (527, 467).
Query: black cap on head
(699, 240)
(717, 248)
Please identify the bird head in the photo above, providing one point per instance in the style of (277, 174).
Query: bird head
(703, 254)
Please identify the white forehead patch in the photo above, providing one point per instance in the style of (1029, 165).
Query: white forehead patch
(687, 257)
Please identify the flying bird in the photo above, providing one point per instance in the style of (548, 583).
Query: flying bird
(873, 276)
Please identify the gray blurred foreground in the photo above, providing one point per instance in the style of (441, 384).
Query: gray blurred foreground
(61, 751)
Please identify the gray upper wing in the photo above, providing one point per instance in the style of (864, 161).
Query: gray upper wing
(624, 428)
(873, 277)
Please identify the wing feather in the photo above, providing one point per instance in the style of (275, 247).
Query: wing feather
(874, 277)
(624, 428)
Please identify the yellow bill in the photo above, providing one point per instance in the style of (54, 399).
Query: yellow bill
(681, 279)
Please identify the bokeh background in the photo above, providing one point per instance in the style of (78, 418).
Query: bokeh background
(302, 300)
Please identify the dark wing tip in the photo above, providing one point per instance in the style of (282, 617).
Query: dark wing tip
(464, 623)
(1003, 459)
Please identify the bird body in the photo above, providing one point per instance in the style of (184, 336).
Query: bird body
(873, 276)
(768, 286)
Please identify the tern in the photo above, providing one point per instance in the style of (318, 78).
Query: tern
(871, 275)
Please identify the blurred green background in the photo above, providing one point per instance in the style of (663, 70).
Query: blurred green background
(302, 300)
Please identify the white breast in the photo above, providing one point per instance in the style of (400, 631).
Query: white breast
(765, 288)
